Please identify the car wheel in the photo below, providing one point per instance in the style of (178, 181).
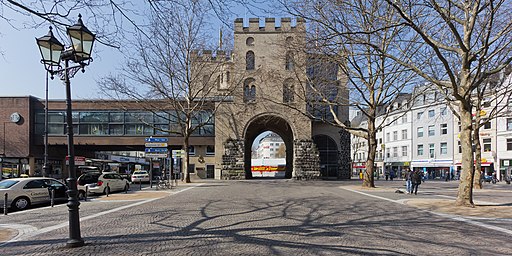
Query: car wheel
(21, 203)
(106, 191)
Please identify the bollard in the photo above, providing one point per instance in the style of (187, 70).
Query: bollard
(52, 197)
(5, 204)
(107, 190)
(140, 184)
(86, 192)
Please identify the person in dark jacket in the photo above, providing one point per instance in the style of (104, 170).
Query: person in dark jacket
(416, 181)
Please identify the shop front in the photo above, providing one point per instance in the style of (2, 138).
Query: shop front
(435, 168)
(13, 167)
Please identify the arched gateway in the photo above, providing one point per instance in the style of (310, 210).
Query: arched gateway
(270, 75)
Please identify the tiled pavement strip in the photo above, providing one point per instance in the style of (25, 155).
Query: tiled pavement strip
(17, 232)
(432, 197)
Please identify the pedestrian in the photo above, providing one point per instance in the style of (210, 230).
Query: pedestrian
(416, 181)
(408, 181)
(391, 174)
(386, 173)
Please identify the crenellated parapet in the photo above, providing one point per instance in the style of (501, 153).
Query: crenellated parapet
(269, 25)
(209, 55)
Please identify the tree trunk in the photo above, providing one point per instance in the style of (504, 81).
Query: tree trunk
(186, 161)
(477, 179)
(465, 191)
(368, 179)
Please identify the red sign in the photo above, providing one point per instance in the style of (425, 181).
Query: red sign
(79, 160)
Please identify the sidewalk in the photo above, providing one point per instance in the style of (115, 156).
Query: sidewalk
(439, 196)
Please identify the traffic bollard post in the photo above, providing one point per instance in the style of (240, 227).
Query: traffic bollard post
(52, 197)
(5, 203)
(107, 190)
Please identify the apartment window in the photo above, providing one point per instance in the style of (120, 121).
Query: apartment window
(395, 151)
(380, 140)
(388, 153)
(271, 144)
(419, 115)
(404, 134)
(444, 148)
(444, 111)
(444, 129)
(404, 150)
(432, 150)
(431, 130)
(210, 150)
(420, 132)
(431, 113)
(420, 149)
(509, 144)
(387, 137)
(487, 144)
(460, 126)
(191, 151)
(404, 119)
(487, 125)
(395, 135)
(460, 147)
(509, 124)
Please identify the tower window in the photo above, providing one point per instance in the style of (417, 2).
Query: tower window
(249, 60)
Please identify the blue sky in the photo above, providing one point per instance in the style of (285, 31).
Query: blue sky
(22, 74)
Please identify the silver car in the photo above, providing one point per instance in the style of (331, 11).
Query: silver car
(24, 192)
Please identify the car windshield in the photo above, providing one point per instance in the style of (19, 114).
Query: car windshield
(137, 173)
(88, 178)
(7, 183)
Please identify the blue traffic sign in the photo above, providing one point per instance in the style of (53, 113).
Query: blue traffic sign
(156, 139)
(156, 150)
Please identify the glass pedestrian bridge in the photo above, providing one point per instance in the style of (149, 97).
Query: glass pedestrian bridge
(124, 123)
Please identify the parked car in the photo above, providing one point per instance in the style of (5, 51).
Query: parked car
(140, 176)
(101, 183)
(24, 192)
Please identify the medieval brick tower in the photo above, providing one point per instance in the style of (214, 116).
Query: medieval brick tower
(266, 76)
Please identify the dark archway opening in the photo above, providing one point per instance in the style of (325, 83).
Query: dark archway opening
(273, 124)
(329, 156)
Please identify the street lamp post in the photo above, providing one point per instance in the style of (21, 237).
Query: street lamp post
(52, 52)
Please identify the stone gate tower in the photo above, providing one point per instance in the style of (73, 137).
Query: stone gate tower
(269, 70)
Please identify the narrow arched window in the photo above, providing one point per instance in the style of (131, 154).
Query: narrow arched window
(227, 77)
(249, 60)
(289, 61)
(288, 91)
(253, 93)
(249, 90)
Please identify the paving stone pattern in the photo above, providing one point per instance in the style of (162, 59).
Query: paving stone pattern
(262, 217)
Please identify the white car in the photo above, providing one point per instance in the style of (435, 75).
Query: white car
(140, 176)
(101, 183)
(24, 192)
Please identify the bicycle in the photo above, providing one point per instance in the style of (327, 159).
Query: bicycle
(163, 184)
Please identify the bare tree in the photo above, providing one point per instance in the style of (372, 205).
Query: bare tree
(167, 75)
(342, 40)
(462, 45)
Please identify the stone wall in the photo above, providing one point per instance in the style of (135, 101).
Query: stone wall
(306, 160)
(233, 160)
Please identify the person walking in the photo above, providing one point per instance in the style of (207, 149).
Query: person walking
(408, 181)
(416, 181)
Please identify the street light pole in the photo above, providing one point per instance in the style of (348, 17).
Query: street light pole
(52, 52)
(45, 163)
(75, 239)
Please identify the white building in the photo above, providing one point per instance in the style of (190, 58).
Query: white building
(269, 147)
